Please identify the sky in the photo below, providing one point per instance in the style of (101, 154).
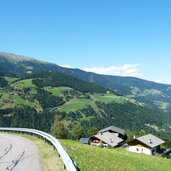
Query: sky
(115, 37)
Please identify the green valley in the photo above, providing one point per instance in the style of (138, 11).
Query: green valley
(33, 91)
(41, 96)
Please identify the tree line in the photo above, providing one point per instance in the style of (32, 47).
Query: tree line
(57, 79)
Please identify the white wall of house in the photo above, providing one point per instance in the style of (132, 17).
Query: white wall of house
(138, 149)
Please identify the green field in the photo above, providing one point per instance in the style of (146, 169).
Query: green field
(18, 101)
(4, 95)
(76, 104)
(12, 99)
(57, 91)
(11, 79)
(23, 84)
(107, 98)
(101, 159)
(5, 100)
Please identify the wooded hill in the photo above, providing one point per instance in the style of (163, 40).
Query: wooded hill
(32, 102)
(148, 92)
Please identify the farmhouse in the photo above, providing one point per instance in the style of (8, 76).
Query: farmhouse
(110, 136)
(147, 144)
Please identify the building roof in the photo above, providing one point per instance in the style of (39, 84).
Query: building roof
(109, 138)
(150, 140)
(84, 140)
(113, 129)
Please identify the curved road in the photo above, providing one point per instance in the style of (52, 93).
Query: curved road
(18, 154)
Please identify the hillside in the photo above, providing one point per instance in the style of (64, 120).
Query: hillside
(32, 101)
(147, 92)
(100, 159)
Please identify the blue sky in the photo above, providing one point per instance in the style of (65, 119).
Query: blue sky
(119, 37)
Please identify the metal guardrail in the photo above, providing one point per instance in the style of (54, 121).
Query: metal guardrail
(68, 163)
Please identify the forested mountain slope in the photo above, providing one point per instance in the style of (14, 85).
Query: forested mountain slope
(32, 101)
(147, 92)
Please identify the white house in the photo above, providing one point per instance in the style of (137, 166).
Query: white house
(147, 144)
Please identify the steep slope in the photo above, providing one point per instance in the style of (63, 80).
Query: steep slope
(33, 101)
(88, 157)
(148, 92)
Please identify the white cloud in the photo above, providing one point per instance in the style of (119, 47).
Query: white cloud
(66, 66)
(124, 70)
(131, 70)
(163, 81)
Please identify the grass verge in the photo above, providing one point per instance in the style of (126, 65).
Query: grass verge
(102, 159)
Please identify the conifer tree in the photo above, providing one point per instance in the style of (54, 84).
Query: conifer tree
(57, 129)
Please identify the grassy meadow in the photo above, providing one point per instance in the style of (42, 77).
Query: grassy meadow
(75, 105)
(94, 158)
(57, 91)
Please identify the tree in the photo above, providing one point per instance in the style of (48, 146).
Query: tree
(77, 131)
(57, 129)
(92, 131)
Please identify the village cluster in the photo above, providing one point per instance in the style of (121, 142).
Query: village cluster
(116, 137)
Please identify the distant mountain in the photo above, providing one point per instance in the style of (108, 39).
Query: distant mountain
(148, 92)
(32, 92)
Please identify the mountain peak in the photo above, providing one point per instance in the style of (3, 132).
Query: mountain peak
(14, 57)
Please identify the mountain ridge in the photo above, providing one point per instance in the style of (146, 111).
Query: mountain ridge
(157, 94)
(26, 58)
(50, 89)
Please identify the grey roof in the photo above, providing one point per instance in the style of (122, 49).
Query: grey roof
(114, 129)
(150, 140)
(84, 140)
(110, 138)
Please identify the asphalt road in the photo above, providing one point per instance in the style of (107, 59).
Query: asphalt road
(18, 154)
